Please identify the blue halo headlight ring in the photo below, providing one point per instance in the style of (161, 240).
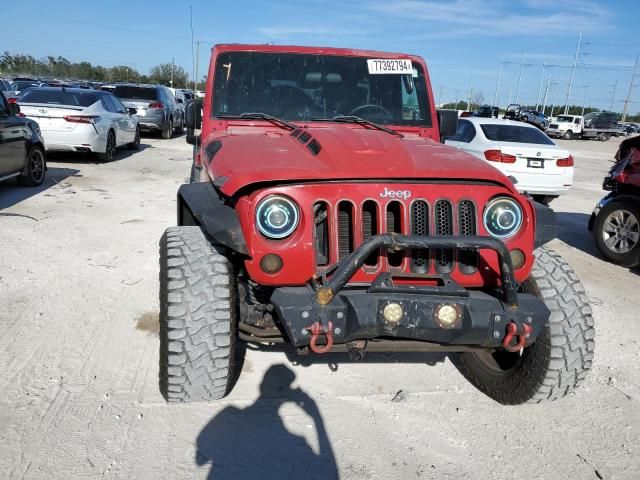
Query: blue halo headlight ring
(277, 217)
(502, 217)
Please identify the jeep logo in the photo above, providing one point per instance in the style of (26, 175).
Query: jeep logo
(404, 194)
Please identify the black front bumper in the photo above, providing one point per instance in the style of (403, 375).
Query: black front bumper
(356, 312)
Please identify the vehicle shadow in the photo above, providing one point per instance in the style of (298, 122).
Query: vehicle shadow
(78, 157)
(12, 193)
(254, 443)
(573, 230)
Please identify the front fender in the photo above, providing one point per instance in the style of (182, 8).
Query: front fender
(201, 204)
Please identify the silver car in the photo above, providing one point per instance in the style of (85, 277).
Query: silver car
(156, 106)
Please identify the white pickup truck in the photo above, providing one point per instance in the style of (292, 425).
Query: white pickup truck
(599, 125)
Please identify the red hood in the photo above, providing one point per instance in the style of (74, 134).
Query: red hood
(250, 154)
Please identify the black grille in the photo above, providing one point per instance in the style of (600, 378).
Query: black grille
(419, 226)
(394, 225)
(467, 259)
(370, 228)
(321, 233)
(443, 223)
(345, 229)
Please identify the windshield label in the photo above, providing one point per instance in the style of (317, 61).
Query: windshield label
(386, 66)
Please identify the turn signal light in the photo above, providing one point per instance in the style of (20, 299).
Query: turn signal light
(565, 162)
(498, 156)
(271, 263)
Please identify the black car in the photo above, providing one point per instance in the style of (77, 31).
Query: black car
(603, 120)
(21, 146)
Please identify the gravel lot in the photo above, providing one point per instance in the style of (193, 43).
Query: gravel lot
(78, 390)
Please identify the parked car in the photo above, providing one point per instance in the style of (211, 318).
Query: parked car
(512, 112)
(5, 85)
(22, 152)
(73, 119)
(615, 222)
(157, 108)
(320, 219)
(487, 111)
(534, 118)
(605, 120)
(539, 166)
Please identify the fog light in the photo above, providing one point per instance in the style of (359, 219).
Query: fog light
(271, 263)
(392, 314)
(517, 258)
(447, 316)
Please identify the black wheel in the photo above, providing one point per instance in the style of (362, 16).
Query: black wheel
(135, 145)
(110, 148)
(558, 361)
(167, 130)
(604, 137)
(34, 171)
(200, 354)
(617, 232)
(525, 119)
(568, 135)
(544, 199)
(180, 128)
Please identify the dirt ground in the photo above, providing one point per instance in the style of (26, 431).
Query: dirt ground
(79, 384)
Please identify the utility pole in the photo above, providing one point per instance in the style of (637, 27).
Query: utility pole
(457, 97)
(172, 67)
(546, 92)
(626, 101)
(555, 95)
(584, 103)
(540, 86)
(613, 95)
(520, 78)
(195, 75)
(495, 95)
(573, 71)
(469, 102)
(440, 92)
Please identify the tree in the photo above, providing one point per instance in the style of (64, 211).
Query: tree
(164, 72)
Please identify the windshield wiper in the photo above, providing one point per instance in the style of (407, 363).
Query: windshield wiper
(360, 121)
(259, 116)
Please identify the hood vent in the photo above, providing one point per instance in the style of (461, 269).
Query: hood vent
(303, 137)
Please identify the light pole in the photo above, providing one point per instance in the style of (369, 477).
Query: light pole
(626, 101)
(520, 78)
(546, 92)
(573, 71)
(584, 103)
(495, 95)
(540, 86)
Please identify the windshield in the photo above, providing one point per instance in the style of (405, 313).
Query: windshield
(22, 84)
(135, 93)
(294, 86)
(59, 97)
(515, 134)
(564, 118)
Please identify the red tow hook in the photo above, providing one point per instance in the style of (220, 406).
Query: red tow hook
(316, 330)
(512, 331)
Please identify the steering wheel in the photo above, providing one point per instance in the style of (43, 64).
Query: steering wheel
(373, 106)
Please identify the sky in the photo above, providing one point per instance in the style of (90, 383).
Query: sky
(461, 40)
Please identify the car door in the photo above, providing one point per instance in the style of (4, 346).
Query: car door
(12, 140)
(126, 122)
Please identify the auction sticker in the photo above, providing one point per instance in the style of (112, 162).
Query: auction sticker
(385, 65)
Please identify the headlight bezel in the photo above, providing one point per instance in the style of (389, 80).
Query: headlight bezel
(515, 228)
(267, 231)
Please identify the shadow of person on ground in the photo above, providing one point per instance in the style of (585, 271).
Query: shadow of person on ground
(253, 442)
(11, 193)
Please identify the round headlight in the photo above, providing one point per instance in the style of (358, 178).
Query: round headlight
(277, 217)
(502, 217)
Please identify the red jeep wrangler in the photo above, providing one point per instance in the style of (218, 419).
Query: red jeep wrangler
(324, 212)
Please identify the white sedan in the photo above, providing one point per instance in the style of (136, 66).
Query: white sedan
(539, 166)
(80, 120)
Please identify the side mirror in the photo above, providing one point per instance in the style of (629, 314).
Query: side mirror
(14, 108)
(132, 111)
(193, 114)
(448, 121)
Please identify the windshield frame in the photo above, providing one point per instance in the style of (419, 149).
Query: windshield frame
(425, 105)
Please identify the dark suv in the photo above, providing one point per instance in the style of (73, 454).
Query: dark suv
(157, 109)
(606, 120)
(21, 146)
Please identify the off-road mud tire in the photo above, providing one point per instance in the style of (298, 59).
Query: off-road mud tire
(200, 354)
(559, 359)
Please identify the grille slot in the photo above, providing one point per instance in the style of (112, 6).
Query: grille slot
(321, 233)
(443, 224)
(370, 228)
(345, 229)
(420, 226)
(467, 259)
(394, 225)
